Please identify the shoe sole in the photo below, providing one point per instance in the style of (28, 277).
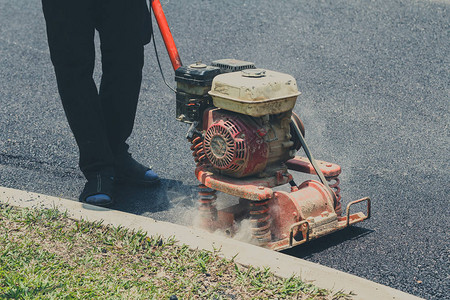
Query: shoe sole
(105, 204)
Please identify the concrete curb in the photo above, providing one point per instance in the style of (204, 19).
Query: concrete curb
(246, 254)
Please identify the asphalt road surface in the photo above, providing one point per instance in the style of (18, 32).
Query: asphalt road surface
(374, 77)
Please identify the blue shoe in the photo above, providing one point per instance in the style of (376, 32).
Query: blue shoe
(151, 176)
(98, 190)
(129, 171)
(99, 199)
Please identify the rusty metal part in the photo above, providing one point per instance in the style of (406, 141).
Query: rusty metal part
(261, 221)
(166, 34)
(308, 234)
(333, 183)
(349, 219)
(302, 164)
(279, 219)
(255, 189)
(312, 202)
(197, 149)
(331, 172)
(302, 224)
(207, 209)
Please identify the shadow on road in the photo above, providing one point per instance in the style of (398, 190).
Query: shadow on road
(163, 197)
(307, 250)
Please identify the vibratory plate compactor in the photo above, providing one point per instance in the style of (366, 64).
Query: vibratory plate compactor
(244, 138)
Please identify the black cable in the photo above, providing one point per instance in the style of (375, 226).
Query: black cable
(156, 54)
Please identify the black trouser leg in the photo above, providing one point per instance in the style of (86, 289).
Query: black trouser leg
(120, 26)
(70, 30)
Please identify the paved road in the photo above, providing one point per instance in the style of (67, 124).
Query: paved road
(374, 77)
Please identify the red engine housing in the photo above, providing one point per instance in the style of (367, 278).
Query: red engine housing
(234, 143)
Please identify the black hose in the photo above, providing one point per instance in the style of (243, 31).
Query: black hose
(157, 56)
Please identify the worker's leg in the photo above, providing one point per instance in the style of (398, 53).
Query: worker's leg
(70, 30)
(121, 27)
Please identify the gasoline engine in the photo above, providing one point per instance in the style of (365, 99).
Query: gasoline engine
(243, 116)
(244, 138)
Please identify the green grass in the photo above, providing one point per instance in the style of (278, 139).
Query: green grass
(46, 255)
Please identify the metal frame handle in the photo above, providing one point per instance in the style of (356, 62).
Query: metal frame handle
(367, 199)
(291, 231)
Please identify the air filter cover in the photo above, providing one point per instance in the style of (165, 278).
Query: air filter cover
(255, 92)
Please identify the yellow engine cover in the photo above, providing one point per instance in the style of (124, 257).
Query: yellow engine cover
(255, 92)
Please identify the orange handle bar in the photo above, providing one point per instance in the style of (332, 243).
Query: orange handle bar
(166, 34)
